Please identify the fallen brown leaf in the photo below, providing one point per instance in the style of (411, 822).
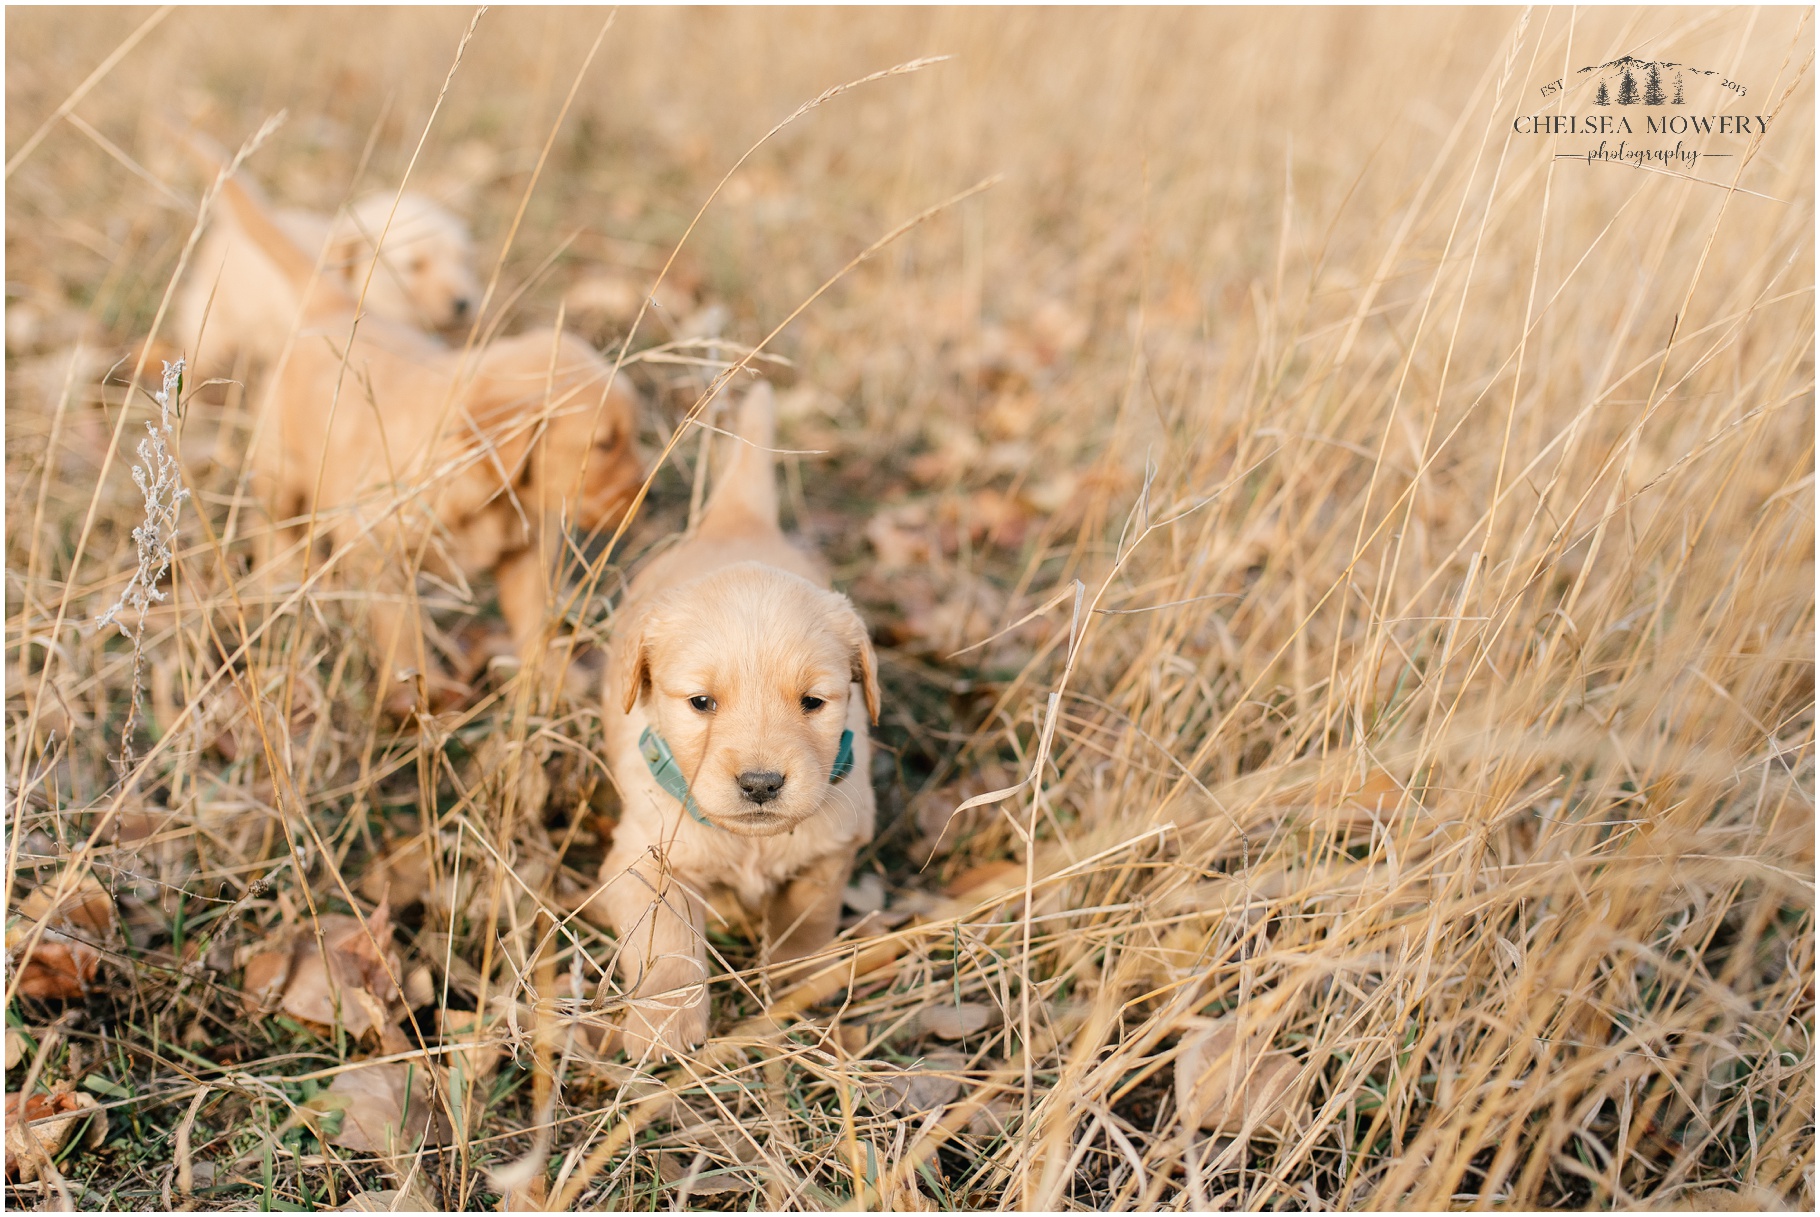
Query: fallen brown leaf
(1226, 1082)
(30, 1146)
(385, 1109)
(511, 774)
(411, 1199)
(1050, 495)
(341, 980)
(673, 1167)
(998, 518)
(923, 1087)
(958, 1021)
(963, 610)
(1056, 330)
(400, 875)
(419, 987)
(224, 723)
(994, 1119)
(64, 961)
(476, 1060)
(899, 536)
(263, 982)
(939, 829)
(1010, 415)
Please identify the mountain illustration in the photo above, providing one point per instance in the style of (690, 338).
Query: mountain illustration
(1640, 66)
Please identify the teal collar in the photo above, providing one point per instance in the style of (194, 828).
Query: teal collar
(662, 764)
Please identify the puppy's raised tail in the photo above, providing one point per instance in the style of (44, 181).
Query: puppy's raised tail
(745, 493)
(249, 213)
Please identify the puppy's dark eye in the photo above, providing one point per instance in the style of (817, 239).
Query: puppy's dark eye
(812, 704)
(703, 703)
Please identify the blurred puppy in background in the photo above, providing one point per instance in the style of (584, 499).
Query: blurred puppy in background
(235, 301)
(417, 457)
(738, 694)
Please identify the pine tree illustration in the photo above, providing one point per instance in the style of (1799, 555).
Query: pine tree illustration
(1680, 97)
(1652, 89)
(1603, 97)
(1627, 89)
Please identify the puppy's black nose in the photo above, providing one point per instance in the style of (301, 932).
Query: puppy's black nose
(461, 306)
(760, 785)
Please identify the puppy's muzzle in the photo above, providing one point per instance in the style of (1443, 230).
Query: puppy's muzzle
(760, 786)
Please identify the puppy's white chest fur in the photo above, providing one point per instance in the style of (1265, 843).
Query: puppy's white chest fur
(756, 873)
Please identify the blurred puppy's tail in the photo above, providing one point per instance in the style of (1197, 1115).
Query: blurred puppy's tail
(745, 493)
(248, 212)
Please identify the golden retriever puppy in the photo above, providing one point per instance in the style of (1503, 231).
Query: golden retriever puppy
(418, 457)
(423, 277)
(738, 693)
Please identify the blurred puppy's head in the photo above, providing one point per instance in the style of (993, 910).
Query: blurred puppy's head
(424, 277)
(563, 427)
(596, 443)
(748, 673)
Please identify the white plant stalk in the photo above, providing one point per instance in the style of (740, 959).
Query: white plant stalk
(160, 479)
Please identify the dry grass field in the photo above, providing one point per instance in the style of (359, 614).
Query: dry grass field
(1366, 557)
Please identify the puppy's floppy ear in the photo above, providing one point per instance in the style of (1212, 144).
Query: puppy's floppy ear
(865, 662)
(634, 661)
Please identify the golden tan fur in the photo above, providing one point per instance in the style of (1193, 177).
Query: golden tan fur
(473, 461)
(736, 614)
(235, 301)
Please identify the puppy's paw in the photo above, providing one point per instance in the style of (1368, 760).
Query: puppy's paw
(661, 1032)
